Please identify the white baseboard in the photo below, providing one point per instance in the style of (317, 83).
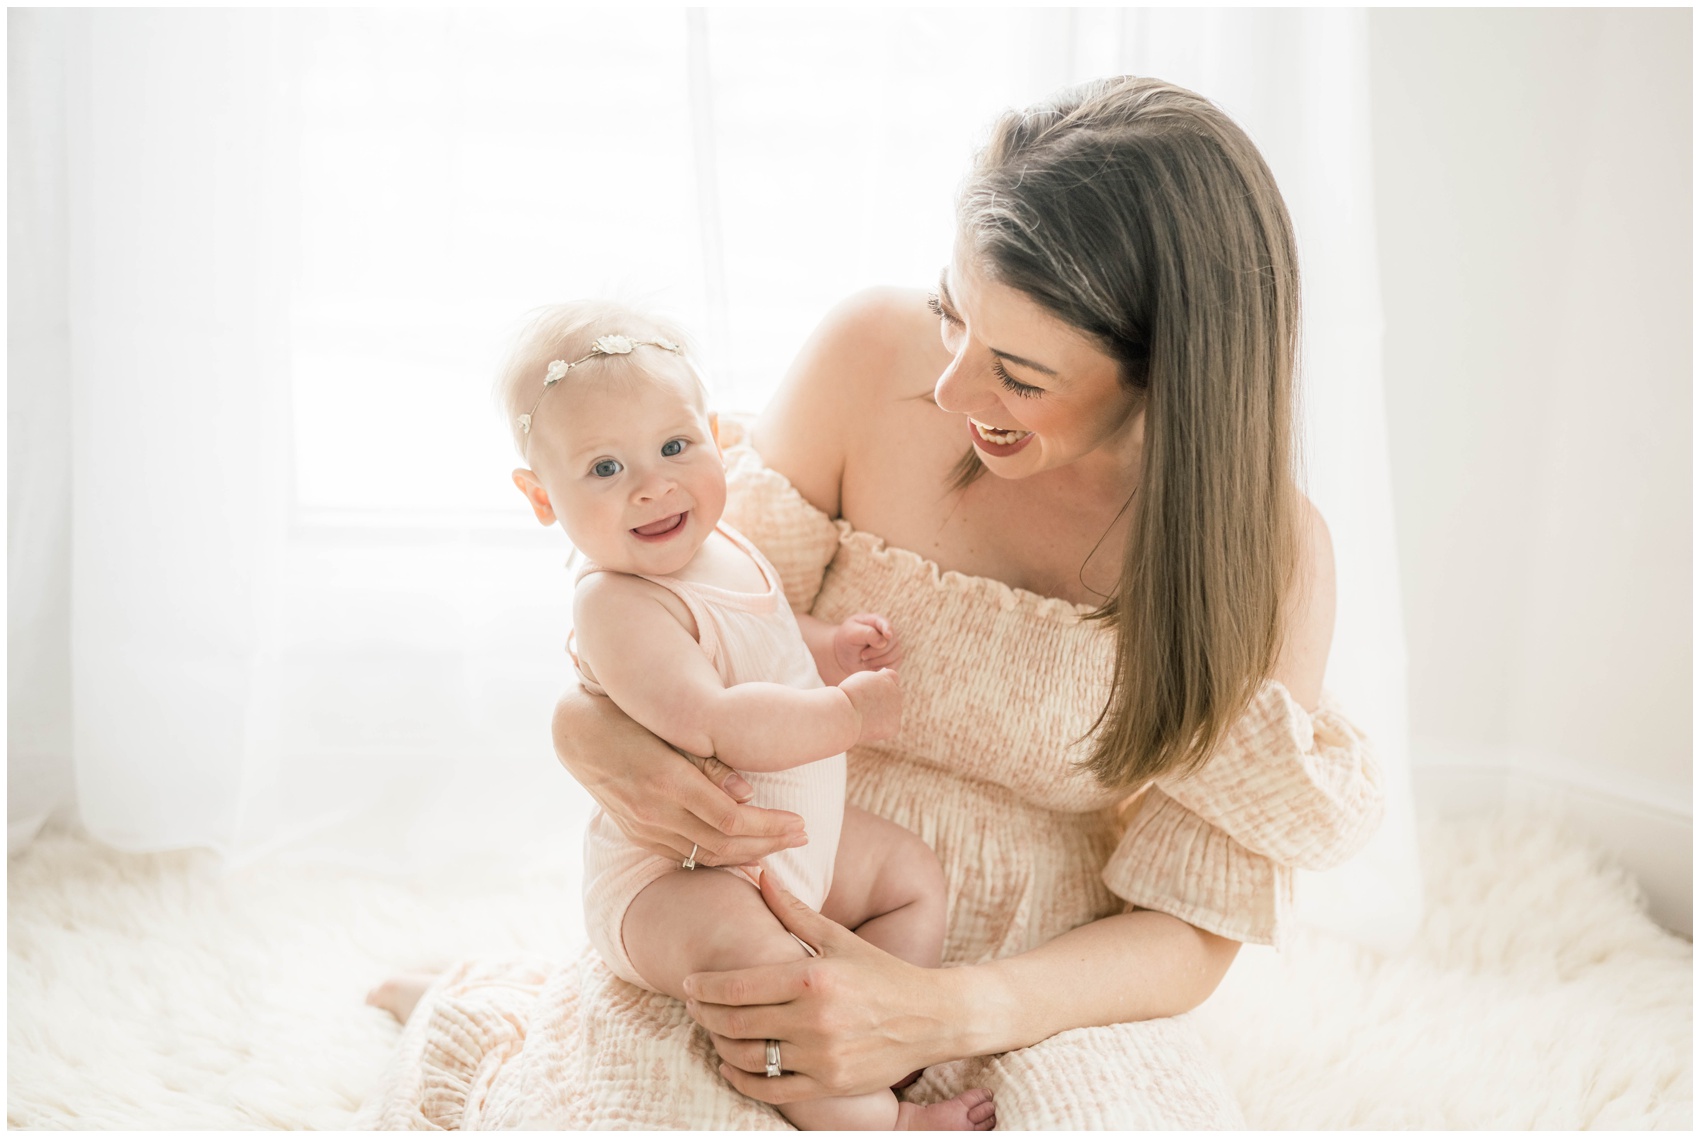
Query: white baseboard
(1648, 828)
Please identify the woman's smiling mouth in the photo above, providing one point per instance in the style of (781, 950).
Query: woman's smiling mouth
(996, 441)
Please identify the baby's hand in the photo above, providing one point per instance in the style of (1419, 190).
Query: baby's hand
(864, 643)
(878, 698)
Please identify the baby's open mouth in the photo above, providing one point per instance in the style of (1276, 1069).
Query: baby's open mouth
(664, 526)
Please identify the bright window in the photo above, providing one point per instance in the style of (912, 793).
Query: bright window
(742, 170)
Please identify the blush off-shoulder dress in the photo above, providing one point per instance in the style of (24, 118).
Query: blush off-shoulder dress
(999, 685)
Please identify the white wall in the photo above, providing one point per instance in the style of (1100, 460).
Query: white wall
(38, 436)
(1534, 199)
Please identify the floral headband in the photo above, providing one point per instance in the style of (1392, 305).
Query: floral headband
(615, 345)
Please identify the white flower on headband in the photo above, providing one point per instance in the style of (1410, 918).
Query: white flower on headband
(614, 345)
(525, 424)
(665, 344)
(556, 371)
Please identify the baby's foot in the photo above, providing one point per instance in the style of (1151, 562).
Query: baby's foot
(970, 1110)
(399, 994)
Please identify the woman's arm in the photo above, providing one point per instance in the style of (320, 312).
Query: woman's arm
(855, 1019)
(1136, 966)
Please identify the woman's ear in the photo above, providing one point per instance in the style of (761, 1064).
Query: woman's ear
(535, 495)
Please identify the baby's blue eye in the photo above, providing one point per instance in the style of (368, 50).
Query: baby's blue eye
(607, 468)
(672, 447)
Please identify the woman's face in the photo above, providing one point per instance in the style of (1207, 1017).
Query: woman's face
(1035, 392)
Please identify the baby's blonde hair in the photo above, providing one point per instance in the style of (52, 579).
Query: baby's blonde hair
(566, 331)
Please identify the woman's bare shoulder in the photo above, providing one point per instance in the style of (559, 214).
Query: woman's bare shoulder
(876, 346)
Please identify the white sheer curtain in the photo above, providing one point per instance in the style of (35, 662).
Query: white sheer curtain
(262, 263)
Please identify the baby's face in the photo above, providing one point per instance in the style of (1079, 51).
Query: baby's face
(634, 473)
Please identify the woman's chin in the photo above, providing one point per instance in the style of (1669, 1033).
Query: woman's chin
(1025, 463)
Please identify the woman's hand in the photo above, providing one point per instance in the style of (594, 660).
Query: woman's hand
(661, 800)
(852, 1020)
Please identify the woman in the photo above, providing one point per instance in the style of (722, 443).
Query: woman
(1116, 609)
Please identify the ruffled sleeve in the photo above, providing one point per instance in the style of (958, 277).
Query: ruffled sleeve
(762, 505)
(1217, 848)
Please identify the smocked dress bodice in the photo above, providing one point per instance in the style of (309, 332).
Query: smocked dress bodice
(1001, 688)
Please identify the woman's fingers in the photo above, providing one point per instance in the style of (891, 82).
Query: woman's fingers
(713, 847)
(802, 922)
(742, 1021)
(675, 842)
(728, 831)
(659, 803)
(747, 835)
(766, 984)
(744, 1054)
(726, 779)
(784, 1089)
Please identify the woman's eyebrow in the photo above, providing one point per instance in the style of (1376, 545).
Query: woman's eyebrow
(944, 299)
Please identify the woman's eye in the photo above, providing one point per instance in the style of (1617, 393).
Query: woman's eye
(607, 468)
(1025, 390)
(950, 329)
(672, 448)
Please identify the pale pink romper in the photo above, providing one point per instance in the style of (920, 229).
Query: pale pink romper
(748, 637)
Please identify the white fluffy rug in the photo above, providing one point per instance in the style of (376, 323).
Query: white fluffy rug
(150, 992)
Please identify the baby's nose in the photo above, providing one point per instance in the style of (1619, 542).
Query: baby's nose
(657, 485)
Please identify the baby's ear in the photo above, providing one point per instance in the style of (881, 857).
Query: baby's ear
(714, 430)
(535, 495)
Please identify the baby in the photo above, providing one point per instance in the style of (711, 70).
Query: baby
(682, 623)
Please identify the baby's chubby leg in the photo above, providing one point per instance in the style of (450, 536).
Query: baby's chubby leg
(703, 920)
(888, 888)
(709, 921)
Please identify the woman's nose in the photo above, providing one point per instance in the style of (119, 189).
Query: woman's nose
(963, 387)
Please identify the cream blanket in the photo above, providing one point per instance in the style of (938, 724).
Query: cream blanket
(518, 1044)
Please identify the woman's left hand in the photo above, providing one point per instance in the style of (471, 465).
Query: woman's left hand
(852, 1020)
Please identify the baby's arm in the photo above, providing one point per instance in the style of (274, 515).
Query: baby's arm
(865, 642)
(653, 668)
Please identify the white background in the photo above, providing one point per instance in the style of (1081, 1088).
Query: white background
(1534, 197)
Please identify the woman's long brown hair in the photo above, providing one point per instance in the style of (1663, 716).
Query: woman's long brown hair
(1141, 214)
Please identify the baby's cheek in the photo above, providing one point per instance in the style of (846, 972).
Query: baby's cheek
(711, 498)
(595, 536)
